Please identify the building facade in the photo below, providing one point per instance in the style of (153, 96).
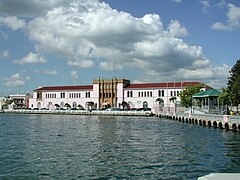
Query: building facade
(20, 100)
(106, 93)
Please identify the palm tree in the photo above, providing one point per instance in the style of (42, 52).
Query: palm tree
(160, 101)
(125, 105)
(173, 99)
(90, 105)
(68, 106)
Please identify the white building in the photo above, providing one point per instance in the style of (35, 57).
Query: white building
(109, 93)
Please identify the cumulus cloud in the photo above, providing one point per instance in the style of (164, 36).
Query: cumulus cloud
(177, 1)
(16, 80)
(90, 33)
(233, 19)
(47, 72)
(12, 22)
(176, 29)
(31, 58)
(205, 4)
(5, 54)
(74, 74)
(81, 63)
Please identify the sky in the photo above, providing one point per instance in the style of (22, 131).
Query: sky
(73, 42)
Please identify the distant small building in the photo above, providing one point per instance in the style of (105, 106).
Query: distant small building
(20, 100)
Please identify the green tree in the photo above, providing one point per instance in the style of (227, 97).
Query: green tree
(173, 99)
(8, 101)
(225, 97)
(233, 83)
(125, 105)
(160, 101)
(187, 93)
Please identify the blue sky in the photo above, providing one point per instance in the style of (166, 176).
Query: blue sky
(72, 42)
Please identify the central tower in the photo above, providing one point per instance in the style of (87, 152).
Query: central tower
(108, 91)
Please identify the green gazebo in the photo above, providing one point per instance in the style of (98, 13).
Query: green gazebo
(206, 101)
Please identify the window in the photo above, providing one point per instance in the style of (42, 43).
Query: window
(139, 94)
(145, 105)
(151, 94)
(87, 94)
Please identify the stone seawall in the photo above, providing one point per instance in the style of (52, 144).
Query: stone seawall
(225, 122)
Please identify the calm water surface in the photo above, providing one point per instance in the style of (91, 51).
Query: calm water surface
(95, 147)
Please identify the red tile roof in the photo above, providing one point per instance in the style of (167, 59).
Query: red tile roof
(161, 85)
(64, 88)
(131, 86)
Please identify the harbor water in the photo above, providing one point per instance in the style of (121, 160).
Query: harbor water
(105, 147)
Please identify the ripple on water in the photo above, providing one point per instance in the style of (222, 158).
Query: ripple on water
(91, 147)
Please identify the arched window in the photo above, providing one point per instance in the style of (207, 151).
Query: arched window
(74, 105)
(39, 105)
(145, 105)
(50, 106)
(62, 105)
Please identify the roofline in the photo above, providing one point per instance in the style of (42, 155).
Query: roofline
(64, 88)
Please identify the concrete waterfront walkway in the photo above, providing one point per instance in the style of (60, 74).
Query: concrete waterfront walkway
(227, 122)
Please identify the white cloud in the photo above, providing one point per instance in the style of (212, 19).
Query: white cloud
(12, 22)
(47, 72)
(6, 54)
(16, 80)
(89, 32)
(81, 63)
(177, 1)
(233, 19)
(31, 58)
(74, 74)
(206, 4)
(176, 29)
(3, 35)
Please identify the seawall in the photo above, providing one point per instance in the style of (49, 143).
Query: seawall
(223, 122)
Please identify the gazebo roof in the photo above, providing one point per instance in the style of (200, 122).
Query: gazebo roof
(208, 93)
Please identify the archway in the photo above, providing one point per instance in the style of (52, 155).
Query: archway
(39, 105)
(62, 105)
(50, 106)
(145, 105)
(74, 105)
